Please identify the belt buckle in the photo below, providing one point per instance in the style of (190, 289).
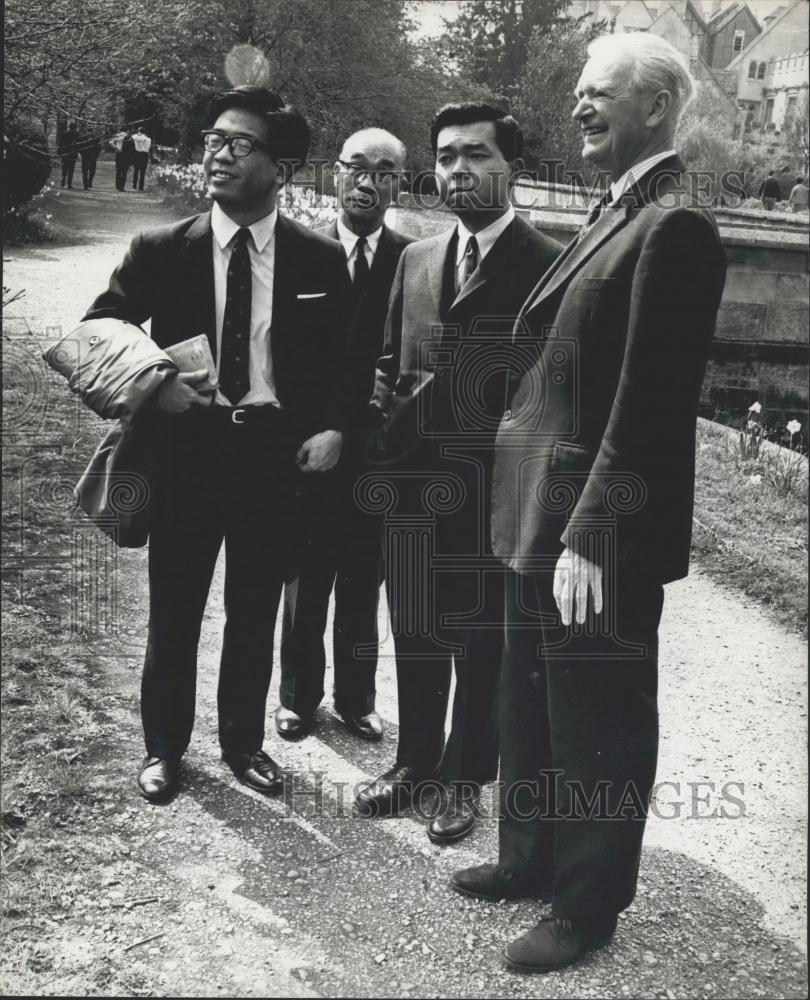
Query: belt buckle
(238, 413)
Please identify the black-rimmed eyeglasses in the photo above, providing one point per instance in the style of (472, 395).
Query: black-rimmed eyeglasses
(377, 177)
(240, 145)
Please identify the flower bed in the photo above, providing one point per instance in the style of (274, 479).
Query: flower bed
(186, 184)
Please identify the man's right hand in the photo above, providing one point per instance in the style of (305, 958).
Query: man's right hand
(180, 391)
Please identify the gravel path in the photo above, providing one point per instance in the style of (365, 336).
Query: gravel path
(295, 898)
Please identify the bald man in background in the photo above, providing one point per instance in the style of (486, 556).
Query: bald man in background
(347, 552)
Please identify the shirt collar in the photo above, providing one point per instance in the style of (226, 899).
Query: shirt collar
(348, 239)
(635, 173)
(225, 228)
(486, 237)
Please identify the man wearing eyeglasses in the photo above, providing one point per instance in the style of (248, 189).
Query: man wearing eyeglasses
(238, 457)
(348, 552)
(441, 385)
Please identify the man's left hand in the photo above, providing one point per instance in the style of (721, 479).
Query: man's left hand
(320, 452)
(574, 578)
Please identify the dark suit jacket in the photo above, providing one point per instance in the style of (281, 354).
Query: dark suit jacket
(168, 275)
(367, 325)
(601, 423)
(441, 376)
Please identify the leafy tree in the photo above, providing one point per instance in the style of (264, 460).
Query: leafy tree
(65, 60)
(344, 65)
(544, 98)
(489, 40)
(797, 133)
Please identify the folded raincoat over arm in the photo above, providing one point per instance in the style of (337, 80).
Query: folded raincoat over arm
(115, 369)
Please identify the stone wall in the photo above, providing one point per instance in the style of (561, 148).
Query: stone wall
(760, 351)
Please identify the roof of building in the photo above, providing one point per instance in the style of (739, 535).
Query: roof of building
(722, 17)
(690, 6)
(738, 59)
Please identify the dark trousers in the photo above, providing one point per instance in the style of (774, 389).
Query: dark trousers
(139, 165)
(217, 481)
(122, 165)
(445, 594)
(68, 166)
(345, 552)
(88, 171)
(579, 742)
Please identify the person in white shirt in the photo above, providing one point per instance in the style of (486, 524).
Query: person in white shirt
(348, 554)
(239, 466)
(440, 387)
(593, 492)
(141, 157)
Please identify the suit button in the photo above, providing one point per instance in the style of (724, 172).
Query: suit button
(507, 415)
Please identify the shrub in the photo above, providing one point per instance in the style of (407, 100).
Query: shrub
(30, 221)
(26, 163)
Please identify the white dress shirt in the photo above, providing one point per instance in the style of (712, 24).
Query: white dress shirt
(262, 250)
(348, 240)
(635, 173)
(485, 239)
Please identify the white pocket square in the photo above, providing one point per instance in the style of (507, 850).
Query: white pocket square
(311, 295)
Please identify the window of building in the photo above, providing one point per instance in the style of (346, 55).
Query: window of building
(752, 70)
(739, 41)
(761, 71)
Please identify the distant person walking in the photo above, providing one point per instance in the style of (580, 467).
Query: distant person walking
(141, 157)
(798, 195)
(89, 151)
(769, 192)
(124, 148)
(68, 152)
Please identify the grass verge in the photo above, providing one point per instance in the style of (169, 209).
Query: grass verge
(750, 524)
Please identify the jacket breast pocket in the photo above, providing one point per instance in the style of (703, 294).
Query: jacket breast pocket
(569, 457)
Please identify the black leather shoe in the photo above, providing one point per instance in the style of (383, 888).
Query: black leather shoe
(290, 725)
(493, 883)
(555, 943)
(256, 770)
(158, 779)
(457, 817)
(390, 793)
(367, 727)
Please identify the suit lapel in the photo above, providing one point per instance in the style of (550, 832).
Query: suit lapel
(500, 256)
(198, 257)
(385, 259)
(437, 265)
(650, 186)
(283, 281)
(579, 252)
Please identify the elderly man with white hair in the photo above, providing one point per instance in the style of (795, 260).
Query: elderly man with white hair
(592, 507)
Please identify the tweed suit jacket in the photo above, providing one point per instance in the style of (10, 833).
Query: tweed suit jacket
(596, 449)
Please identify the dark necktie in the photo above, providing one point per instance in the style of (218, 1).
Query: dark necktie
(361, 271)
(594, 213)
(469, 263)
(234, 377)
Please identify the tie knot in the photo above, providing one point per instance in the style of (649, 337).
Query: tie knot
(242, 236)
(472, 247)
(361, 243)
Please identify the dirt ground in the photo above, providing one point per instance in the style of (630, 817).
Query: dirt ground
(223, 892)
